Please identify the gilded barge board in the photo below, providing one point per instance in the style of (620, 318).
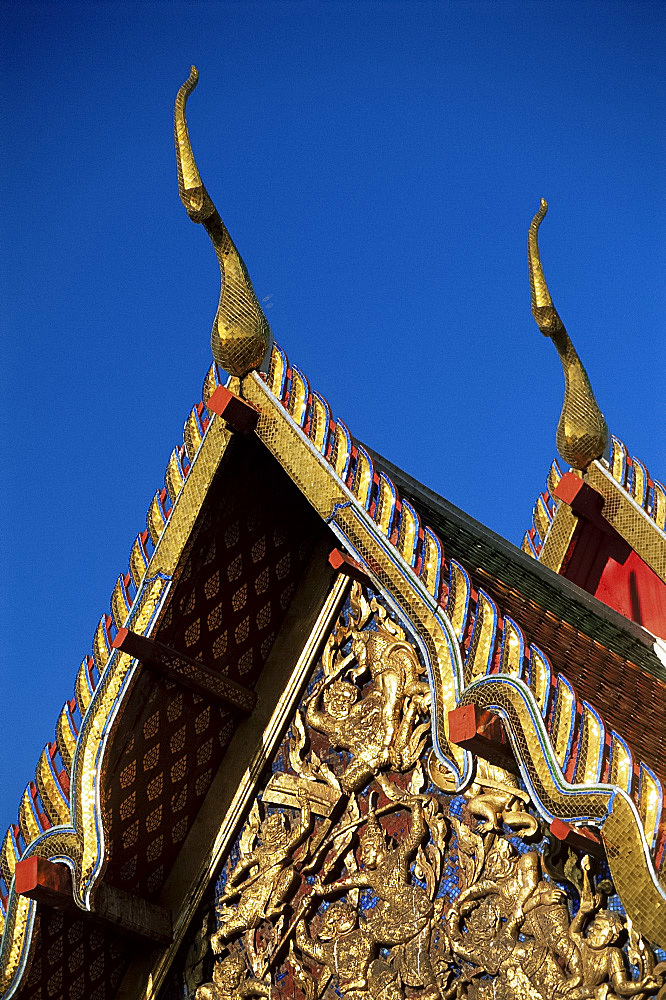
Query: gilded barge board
(81, 844)
(338, 507)
(639, 888)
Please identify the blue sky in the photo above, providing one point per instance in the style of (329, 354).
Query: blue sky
(378, 165)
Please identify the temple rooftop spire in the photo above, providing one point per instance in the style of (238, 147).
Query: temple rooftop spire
(241, 335)
(582, 435)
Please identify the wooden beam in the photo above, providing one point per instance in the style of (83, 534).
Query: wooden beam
(240, 414)
(50, 883)
(482, 733)
(343, 563)
(586, 502)
(583, 499)
(183, 670)
(132, 915)
(577, 837)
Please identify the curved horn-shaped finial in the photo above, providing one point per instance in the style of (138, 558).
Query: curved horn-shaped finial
(241, 335)
(192, 192)
(543, 310)
(582, 434)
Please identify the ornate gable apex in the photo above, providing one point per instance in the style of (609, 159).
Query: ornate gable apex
(481, 624)
(253, 502)
(605, 532)
(601, 525)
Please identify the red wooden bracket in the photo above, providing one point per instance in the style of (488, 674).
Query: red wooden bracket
(588, 505)
(585, 502)
(340, 561)
(45, 881)
(50, 883)
(578, 837)
(240, 414)
(583, 499)
(482, 733)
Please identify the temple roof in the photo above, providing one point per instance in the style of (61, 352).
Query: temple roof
(507, 569)
(506, 609)
(229, 575)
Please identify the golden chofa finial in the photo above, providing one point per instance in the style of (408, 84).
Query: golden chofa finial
(582, 434)
(241, 335)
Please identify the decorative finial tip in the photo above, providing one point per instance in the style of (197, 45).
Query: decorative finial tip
(581, 431)
(241, 336)
(543, 309)
(538, 219)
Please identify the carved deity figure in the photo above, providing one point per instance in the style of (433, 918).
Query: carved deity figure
(263, 878)
(513, 925)
(395, 671)
(344, 949)
(352, 725)
(516, 900)
(604, 969)
(378, 727)
(404, 911)
(231, 981)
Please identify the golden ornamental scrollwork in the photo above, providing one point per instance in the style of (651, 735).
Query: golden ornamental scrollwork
(356, 876)
(582, 434)
(241, 335)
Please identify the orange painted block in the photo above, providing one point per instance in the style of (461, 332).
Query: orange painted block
(463, 724)
(241, 415)
(576, 837)
(43, 880)
(340, 561)
(482, 733)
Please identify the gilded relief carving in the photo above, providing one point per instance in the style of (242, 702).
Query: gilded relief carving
(263, 877)
(378, 725)
(494, 796)
(356, 875)
(231, 981)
